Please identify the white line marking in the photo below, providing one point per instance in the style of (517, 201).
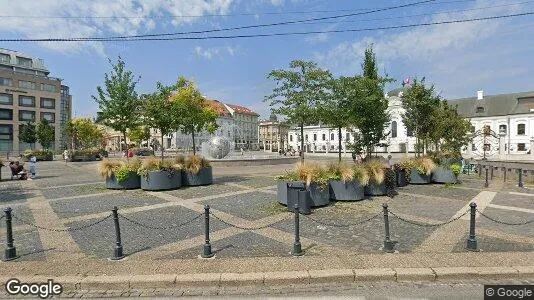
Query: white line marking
(530, 211)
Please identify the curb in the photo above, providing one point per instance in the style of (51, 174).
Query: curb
(226, 280)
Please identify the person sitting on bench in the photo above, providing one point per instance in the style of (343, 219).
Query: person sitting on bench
(17, 170)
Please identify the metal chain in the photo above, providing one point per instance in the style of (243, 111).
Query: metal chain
(160, 228)
(428, 225)
(240, 227)
(502, 222)
(343, 225)
(62, 230)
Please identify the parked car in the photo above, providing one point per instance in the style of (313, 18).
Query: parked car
(144, 152)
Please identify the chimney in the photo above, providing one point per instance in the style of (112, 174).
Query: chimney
(480, 95)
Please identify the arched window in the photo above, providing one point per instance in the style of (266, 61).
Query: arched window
(331, 136)
(394, 129)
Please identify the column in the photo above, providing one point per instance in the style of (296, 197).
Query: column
(532, 146)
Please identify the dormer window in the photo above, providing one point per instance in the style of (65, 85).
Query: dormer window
(480, 109)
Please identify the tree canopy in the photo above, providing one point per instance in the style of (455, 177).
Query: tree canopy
(27, 133)
(83, 133)
(45, 134)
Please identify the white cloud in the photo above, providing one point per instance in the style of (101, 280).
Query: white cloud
(421, 44)
(121, 17)
(210, 53)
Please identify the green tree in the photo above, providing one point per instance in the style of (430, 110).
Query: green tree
(449, 133)
(139, 134)
(84, 133)
(335, 112)
(198, 115)
(368, 106)
(160, 113)
(298, 93)
(27, 134)
(45, 134)
(118, 101)
(420, 102)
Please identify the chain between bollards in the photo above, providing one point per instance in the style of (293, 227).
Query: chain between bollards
(388, 243)
(118, 252)
(486, 184)
(297, 247)
(472, 240)
(520, 184)
(206, 249)
(11, 251)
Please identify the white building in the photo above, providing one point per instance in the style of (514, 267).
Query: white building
(246, 122)
(319, 139)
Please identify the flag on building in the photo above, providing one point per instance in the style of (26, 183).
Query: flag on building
(406, 81)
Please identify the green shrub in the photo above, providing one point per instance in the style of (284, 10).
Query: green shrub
(456, 169)
(40, 155)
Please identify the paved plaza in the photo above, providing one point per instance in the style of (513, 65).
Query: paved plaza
(62, 225)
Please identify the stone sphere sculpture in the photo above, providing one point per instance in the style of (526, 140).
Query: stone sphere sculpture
(218, 147)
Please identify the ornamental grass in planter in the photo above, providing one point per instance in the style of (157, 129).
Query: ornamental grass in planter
(197, 170)
(158, 175)
(311, 176)
(347, 182)
(377, 175)
(402, 171)
(446, 173)
(422, 170)
(120, 174)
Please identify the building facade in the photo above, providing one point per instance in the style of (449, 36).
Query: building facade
(272, 135)
(65, 114)
(319, 139)
(27, 93)
(246, 126)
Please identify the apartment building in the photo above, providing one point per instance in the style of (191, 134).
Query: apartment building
(247, 123)
(27, 93)
(273, 134)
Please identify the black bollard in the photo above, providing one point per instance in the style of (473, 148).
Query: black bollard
(479, 171)
(297, 247)
(520, 178)
(11, 251)
(388, 244)
(491, 173)
(206, 253)
(472, 240)
(486, 184)
(118, 254)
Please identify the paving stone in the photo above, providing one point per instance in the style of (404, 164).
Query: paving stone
(250, 206)
(60, 192)
(258, 182)
(13, 193)
(437, 209)
(28, 245)
(246, 244)
(441, 190)
(102, 203)
(99, 240)
(507, 199)
(493, 244)
(509, 217)
(203, 191)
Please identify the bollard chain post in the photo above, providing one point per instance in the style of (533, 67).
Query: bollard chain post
(520, 184)
(472, 240)
(11, 251)
(118, 253)
(297, 247)
(388, 243)
(206, 249)
(486, 184)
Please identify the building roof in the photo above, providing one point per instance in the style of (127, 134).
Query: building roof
(242, 110)
(495, 105)
(219, 108)
(396, 92)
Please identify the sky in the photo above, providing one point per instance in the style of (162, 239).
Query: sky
(458, 59)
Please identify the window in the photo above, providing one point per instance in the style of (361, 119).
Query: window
(480, 109)
(409, 132)
(25, 62)
(48, 87)
(331, 136)
(473, 147)
(306, 137)
(521, 147)
(6, 138)
(50, 117)
(394, 129)
(27, 101)
(5, 58)
(48, 103)
(6, 114)
(6, 99)
(314, 137)
(27, 84)
(472, 129)
(520, 129)
(502, 128)
(290, 137)
(324, 137)
(6, 81)
(347, 136)
(26, 115)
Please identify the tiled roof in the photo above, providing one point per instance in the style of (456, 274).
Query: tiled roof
(219, 107)
(242, 110)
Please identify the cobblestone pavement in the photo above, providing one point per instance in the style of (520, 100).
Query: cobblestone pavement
(246, 219)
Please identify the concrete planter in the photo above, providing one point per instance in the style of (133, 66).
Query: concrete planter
(443, 175)
(132, 182)
(346, 191)
(319, 197)
(373, 189)
(416, 178)
(203, 177)
(161, 180)
(282, 190)
(401, 178)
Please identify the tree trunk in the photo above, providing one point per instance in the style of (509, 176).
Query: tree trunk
(339, 142)
(302, 143)
(194, 146)
(125, 144)
(162, 146)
